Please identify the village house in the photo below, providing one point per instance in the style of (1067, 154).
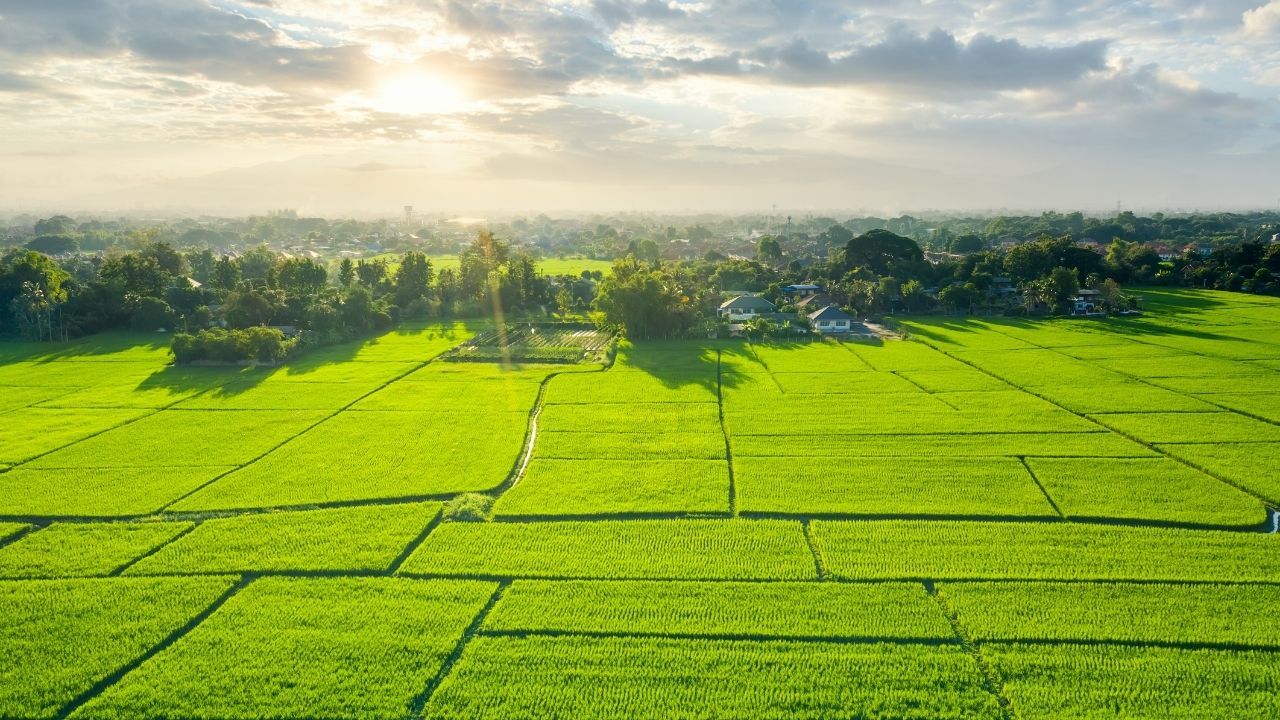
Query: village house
(1087, 303)
(745, 307)
(831, 320)
(792, 293)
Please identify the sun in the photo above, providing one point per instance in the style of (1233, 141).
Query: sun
(418, 93)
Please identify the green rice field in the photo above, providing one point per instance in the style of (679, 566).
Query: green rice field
(986, 518)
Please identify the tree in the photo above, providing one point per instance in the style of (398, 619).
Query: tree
(959, 296)
(880, 251)
(226, 273)
(413, 278)
(1063, 284)
(297, 276)
(564, 302)
(644, 302)
(346, 272)
(913, 296)
(54, 244)
(769, 251)
(758, 327)
(966, 244)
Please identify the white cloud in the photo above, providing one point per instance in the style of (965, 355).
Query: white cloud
(1263, 23)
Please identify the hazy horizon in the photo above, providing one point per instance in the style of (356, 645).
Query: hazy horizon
(359, 108)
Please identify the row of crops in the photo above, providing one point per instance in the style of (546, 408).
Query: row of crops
(222, 646)
(993, 519)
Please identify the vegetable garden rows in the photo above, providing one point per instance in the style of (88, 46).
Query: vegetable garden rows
(994, 518)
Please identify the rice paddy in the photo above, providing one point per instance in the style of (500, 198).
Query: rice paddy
(992, 517)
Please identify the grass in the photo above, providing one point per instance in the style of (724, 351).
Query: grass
(1117, 612)
(83, 550)
(99, 492)
(1137, 682)
(610, 677)
(585, 487)
(692, 549)
(634, 387)
(1143, 489)
(1219, 427)
(819, 485)
(629, 446)
(304, 647)
(632, 417)
(60, 637)
(725, 609)
(944, 550)
(1013, 444)
(398, 455)
(29, 432)
(348, 539)
(177, 438)
(1249, 465)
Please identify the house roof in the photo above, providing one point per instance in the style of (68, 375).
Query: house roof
(798, 288)
(743, 302)
(816, 299)
(831, 312)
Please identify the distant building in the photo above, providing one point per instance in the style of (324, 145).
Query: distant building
(1087, 302)
(795, 292)
(831, 320)
(745, 307)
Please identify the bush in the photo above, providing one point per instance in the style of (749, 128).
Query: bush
(468, 507)
(216, 345)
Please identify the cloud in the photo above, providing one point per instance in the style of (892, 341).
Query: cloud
(1263, 22)
(935, 62)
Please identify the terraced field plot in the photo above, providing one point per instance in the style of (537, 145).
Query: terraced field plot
(1000, 518)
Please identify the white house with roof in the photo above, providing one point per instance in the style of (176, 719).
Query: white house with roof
(831, 320)
(745, 307)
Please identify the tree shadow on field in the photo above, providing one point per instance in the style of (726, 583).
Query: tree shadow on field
(406, 343)
(678, 363)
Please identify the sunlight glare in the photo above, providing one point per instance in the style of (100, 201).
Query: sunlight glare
(417, 93)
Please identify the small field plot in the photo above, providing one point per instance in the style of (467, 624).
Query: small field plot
(29, 432)
(659, 358)
(962, 380)
(376, 454)
(1265, 405)
(1207, 385)
(99, 492)
(14, 398)
(442, 392)
(632, 387)
(903, 486)
(409, 342)
(83, 550)
(75, 374)
(1249, 465)
(810, 357)
(731, 609)
(552, 343)
(632, 417)
(853, 383)
(316, 368)
(652, 549)
(1144, 489)
(856, 448)
(612, 677)
(900, 355)
(1156, 683)
(586, 487)
(1188, 366)
(269, 395)
(173, 438)
(1040, 367)
(1118, 612)
(947, 550)
(304, 647)
(1214, 427)
(60, 637)
(345, 539)
(615, 446)
(1119, 397)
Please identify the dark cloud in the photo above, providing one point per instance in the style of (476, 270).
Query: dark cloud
(179, 37)
(936, 62)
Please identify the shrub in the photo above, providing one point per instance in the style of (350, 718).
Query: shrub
(468, 507)
(258, 344)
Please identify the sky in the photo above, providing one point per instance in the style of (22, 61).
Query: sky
(336, 107)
